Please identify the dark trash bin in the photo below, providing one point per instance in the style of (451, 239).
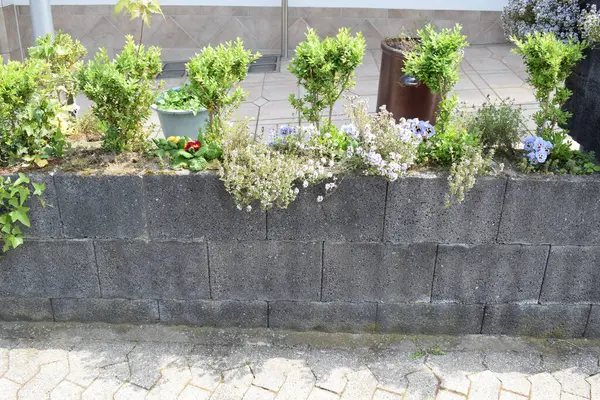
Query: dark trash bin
(403, 95)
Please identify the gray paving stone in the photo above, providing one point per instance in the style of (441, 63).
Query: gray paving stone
(446, 395)
(544, 387)
(172, 382)
(116, 311)
(573, 381)
(257, 393)
(153, 270)
(48, 377)
(220, 314)
(267, 270)
(535, 320)
(594, 382)
(378, 272)
(25, 309)
(45, 220)
(361, 385)
(354, 212)
(489, 273)
(422, 385)
(505, 395)
(331, 366)
(298, 384)
(66, 391)
(571, 275)
(9, 389)
(130, 392)
(331, 316)
(484, 386)
(147, 360)
(320, 394)
(525, 221)
(513, 368)
(575, 360)
(26, 359)
(235, 384)
(194, 393)
(454, 368)
(447, 319)
(197, 207)
(88, 359)
(390, 368)
(49, 269)
(101, 206)
(111, 378)
(412, 201)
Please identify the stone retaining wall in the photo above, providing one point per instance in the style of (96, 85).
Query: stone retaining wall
(521, 256)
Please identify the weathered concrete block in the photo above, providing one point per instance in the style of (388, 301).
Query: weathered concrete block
(265, 270)
(572, 275)
(489, 273)
(116, 311)
(415, 211)
(25, 309)
(559, 320)
(378, 272)
(555, 210)
(220, 314)
(354, 212)
(45, 221)
(101, 206)
(593, 326)
(197, 207)
(330, 317)
(153, 270)
(426, 318)
(49, 269)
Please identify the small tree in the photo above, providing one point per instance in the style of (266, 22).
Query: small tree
(325, 69)
(142, 9)
(435, 61)
(213, 74)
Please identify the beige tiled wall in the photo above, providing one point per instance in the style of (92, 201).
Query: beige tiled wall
(185, 29)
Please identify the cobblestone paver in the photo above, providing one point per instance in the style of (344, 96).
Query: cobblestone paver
(75, 361)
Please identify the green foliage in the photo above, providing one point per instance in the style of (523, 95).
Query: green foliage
(549, 62)
(498, 127)
(182, 98)
(435, 61)
(14, 213)
(447, 147)
(253, 172)
(579, 163)
(139, 9)
(63, 56)
(330, 142)
(32, 120)
(213, 73)
(325, 69)
(183, 153)
(87, 124)
(463, 173)
(122, 91)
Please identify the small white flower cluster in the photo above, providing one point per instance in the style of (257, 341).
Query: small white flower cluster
(589, 24)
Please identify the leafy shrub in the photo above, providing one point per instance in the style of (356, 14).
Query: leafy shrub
(185, 153)
(213, 73)
(463, 173)
(122, 91)
(14, 213)
(325, 69)
(549, 61)
(435, 61)
(63, 55)
(88, 125)
(32, 120)
(181, 98)
(498, 126)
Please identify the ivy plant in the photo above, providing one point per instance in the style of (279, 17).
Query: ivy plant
(214, 74)
(32, 120)
(325, 70)
(14, 214)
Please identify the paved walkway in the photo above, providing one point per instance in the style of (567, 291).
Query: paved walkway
(74, 361)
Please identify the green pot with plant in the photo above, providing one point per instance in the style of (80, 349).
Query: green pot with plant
(180, 112)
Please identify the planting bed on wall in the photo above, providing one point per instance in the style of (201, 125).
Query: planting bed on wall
(521, 256)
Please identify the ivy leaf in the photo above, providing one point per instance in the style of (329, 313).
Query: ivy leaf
(20, 215)
(22, 179)
(38, 188)
(16, 241)
(40, 162)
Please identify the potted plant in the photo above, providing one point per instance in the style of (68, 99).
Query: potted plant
(403, 95)
(180, 111)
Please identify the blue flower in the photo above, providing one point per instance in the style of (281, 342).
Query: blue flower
(528, 142)
(285, 130)
(541, 156)
(548, 146)
(424, 129)
(532, 158)
(350, 130)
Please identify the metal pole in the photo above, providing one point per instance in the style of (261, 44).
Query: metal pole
(41, 18)
(284, 29)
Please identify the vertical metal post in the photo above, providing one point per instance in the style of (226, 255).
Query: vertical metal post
(284, 29)
(41, 18)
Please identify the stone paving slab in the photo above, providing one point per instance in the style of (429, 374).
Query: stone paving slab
(66, 361)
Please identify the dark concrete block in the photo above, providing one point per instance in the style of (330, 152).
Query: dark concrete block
(434, 319)
(25, 309)
(109, 207)
(555, 210)
(378, 272)
(265, 270)
(354, 212)
(45, 220)
(153, 270)
(220, 314)
(49, 269)
(330, 317)
(572, 276)
(116, 311)
(558, 320)
(489, 273)
(416, 213)
(593, 326)
(197, 207)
